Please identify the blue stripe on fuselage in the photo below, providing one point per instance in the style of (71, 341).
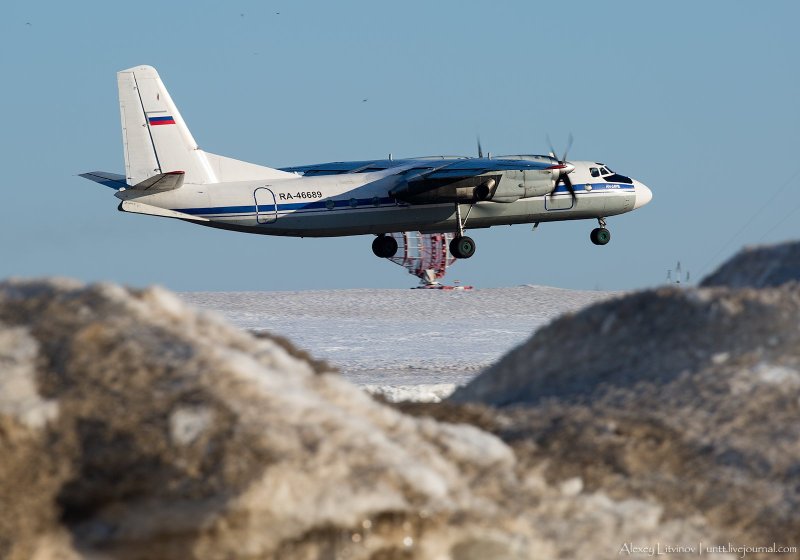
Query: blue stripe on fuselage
(360, 202)
(596, 187)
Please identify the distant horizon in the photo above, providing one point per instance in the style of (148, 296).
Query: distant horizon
(456, 291)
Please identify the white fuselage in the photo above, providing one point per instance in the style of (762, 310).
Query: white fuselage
(359, 203)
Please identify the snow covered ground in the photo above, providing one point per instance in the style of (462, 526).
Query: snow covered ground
(406, 344)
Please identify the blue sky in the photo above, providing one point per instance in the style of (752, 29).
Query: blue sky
(699, 100)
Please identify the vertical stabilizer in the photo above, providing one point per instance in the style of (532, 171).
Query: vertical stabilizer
(157, 140)
(155, 137)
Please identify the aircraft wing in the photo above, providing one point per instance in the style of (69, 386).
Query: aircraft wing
(463, 169)
(160, 182)
(453, 181)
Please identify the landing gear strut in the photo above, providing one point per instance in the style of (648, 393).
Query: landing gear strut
(384, 246)
(462, 246)
(600, 236)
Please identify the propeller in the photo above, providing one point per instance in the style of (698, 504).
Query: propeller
(563, 176)
(566, 150)
(480, 150)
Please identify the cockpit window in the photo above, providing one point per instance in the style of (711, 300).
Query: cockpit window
(605, 171)
(594, 171)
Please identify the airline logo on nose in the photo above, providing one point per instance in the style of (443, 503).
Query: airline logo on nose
(160, 120)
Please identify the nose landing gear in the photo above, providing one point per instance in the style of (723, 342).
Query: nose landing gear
(600, 236)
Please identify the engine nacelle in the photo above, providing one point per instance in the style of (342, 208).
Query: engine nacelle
(516, 184)
(503, 186)
(431, 191)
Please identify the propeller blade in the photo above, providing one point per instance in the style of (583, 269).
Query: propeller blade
(480, 150)
(570, 188)
(552, 149)
(564, 178)
(566, 150)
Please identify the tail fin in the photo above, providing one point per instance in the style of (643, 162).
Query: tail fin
(157, 140)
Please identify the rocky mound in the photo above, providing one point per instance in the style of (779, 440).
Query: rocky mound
(690, 397)
(759, 267)
(132, 427)
(149, 431)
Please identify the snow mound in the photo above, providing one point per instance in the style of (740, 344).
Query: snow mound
(134, 427)
(414, 393)
(759, 267)
(691, 396)
(156, 431)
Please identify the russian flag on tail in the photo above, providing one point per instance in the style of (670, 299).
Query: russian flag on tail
(160, 120)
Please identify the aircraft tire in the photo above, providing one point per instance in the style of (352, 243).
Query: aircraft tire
(462, 247)
(600, 236)
(384, 246)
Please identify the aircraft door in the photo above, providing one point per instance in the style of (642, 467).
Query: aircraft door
(560, 202)
(266, 206)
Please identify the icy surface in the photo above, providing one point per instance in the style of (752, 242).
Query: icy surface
(401, 342)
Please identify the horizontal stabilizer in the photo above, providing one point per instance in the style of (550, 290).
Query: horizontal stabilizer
(161, 182)
(149, 210)
(111, 180)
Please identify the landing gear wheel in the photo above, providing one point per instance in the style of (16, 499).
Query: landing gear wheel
(462, 247)
(384, 246)
(600, 236)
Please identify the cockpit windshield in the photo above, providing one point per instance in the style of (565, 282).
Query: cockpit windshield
(594, 171)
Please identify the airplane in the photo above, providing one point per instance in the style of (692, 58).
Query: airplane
(168, 175)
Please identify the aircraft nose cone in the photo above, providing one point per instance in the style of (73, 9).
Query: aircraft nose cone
(643, 195)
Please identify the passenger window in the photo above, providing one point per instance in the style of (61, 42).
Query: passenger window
(594, 171)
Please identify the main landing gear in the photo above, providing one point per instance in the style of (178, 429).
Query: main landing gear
(384, 246)
(462, 246)
(600, 236)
